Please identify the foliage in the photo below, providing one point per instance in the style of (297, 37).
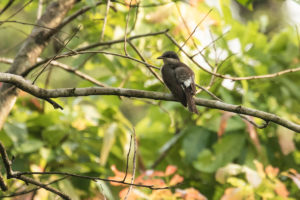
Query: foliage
(213, 154)
(156, 178)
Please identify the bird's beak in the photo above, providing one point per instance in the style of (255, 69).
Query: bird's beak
(160, 57)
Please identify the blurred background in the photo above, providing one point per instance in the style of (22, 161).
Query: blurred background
(216, 155)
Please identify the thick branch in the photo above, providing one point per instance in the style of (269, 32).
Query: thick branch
(21, 83)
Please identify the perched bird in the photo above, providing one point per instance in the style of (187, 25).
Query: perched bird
(179, 78)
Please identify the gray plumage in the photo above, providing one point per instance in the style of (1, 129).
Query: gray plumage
(179, 78)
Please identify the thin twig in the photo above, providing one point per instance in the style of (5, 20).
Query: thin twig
(126, 26)
(212, 42)
(242, 116)
(26, 23)
(11, 174)
(78, 73)
(61, 44)
(68, 54)
(8, 4)
(230, 77)
(42, 185)
(146, 5)
(121, 40)
(105, 20)
(72, 17)
(47, 82)
(213, 77)
(19, 10)
(143, 59)
(49, 61)
(162, 109)
(127, 159)
(66, 68)
(32, 190)
(190, 35)
(25, 73)
(152, 187)
(133, 163)
(136, 17)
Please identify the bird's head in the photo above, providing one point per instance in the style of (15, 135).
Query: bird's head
(169, 57)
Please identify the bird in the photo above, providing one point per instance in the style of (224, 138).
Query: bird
(179, 78)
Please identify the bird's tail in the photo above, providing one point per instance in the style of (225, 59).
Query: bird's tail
(191, 102)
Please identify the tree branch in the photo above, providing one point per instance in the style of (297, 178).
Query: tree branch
(11, 174)
(230, 77)
(108, 43)
(21, 83)
(64, 67)
(8, 4)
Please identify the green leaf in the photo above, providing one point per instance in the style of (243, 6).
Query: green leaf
(67, 187)
(223, 152)
(195, 141)
(54, 134)
(246, 3)
(17, 132)
(30, 145)
(108, 141)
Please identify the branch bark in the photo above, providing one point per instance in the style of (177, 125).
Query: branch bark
(31, 50)
(21, 83)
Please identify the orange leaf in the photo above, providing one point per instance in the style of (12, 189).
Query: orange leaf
(158, 174)
(150, 180)
(253, 134)
(272, 172)
(119, 176)
(132, 196)
(237, 194)
(161, 194)
(281, 190)
(192, 193)
(189, 194)
(225, 117)
(171, 169)
(176, 179)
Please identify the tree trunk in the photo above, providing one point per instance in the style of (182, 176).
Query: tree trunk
(31, 49)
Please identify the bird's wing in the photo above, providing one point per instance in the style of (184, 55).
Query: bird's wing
(169, 78)
(185, 77)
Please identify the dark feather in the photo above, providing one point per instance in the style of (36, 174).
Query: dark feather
(190, 101)
(169, 78)
(179, 78)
